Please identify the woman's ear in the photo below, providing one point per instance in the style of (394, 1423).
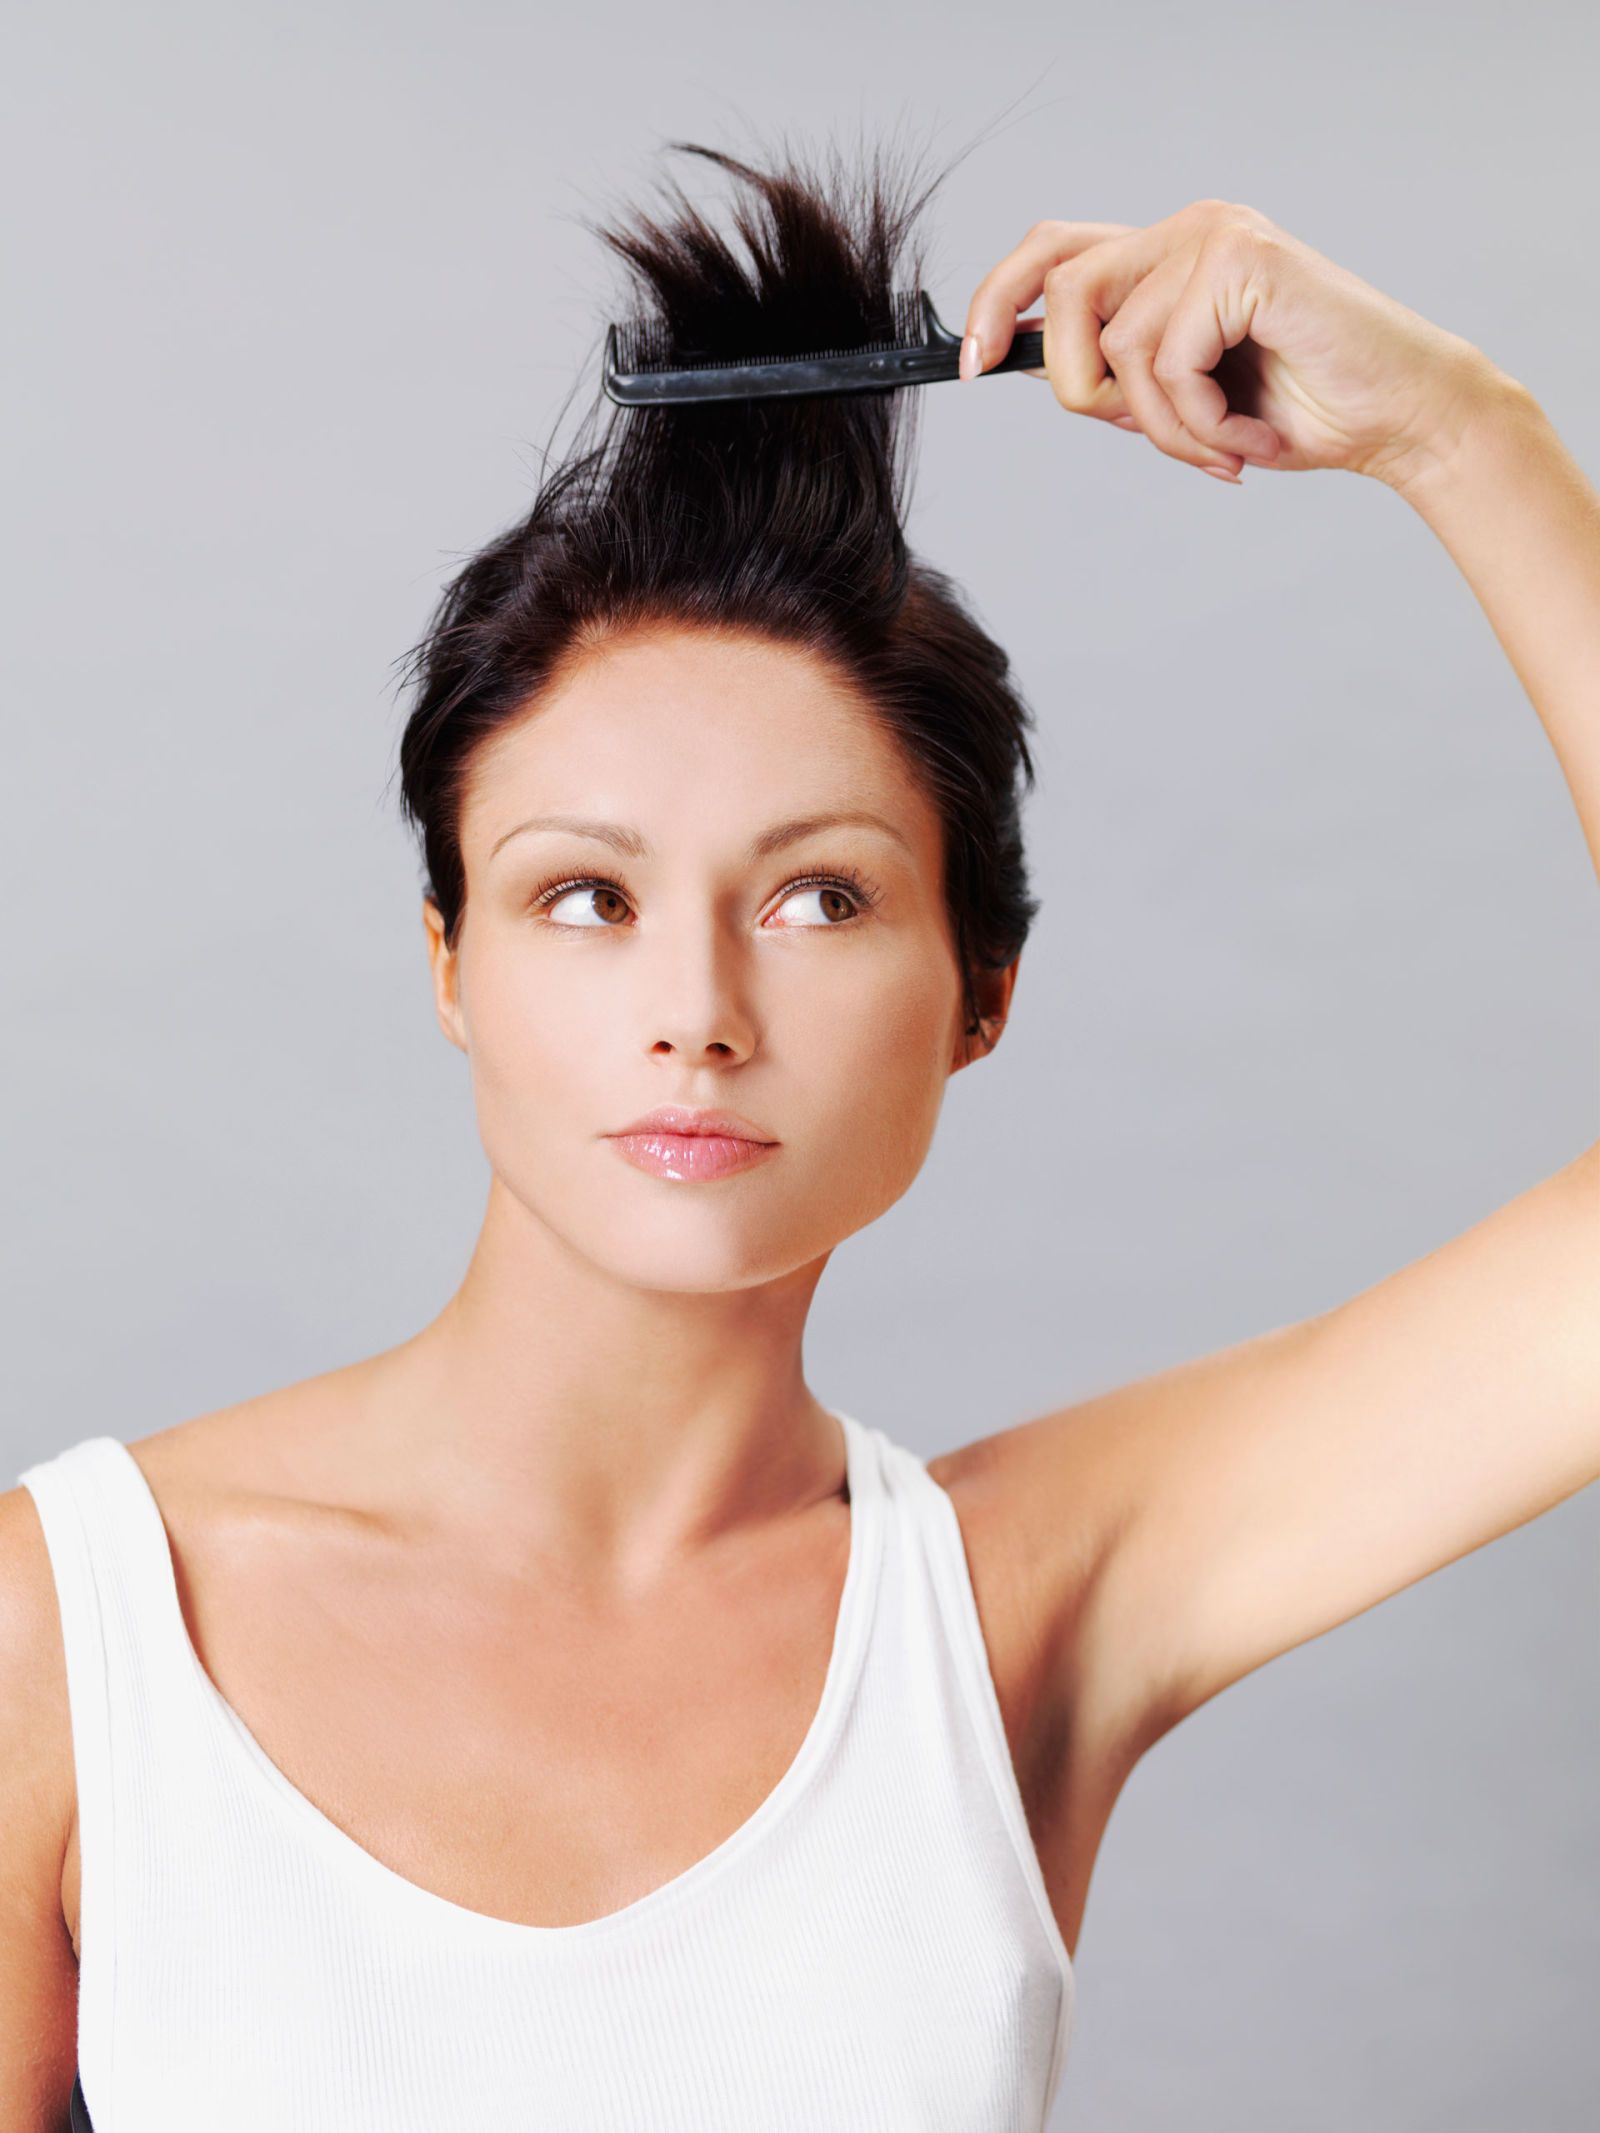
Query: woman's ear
(446, 980)
(992, 990)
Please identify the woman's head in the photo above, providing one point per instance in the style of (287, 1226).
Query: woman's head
(707, 627)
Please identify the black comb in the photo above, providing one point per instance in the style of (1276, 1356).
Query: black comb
(639, 373)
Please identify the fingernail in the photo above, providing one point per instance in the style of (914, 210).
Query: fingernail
(971, 356)
(1222, 474)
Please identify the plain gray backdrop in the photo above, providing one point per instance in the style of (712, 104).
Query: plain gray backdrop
(294, 295)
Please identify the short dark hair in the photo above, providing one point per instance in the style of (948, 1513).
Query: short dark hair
(780, 518)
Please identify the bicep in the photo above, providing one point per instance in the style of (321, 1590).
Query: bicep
(1254, 1498)
(38, 1971)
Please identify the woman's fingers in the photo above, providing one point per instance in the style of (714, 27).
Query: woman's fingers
(1148, 346)
(1018, 281)
(1105, 310)
(1209, 316)
(1134, 322)
(1106, 287)
(1130, 344)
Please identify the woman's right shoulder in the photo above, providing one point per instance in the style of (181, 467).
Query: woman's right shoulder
(35, 1722)
(38, 1967)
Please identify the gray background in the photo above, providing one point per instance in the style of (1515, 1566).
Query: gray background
(294, 295)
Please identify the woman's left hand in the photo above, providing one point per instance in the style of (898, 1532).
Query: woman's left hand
(1222, 338)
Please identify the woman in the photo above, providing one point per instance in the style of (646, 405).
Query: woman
(562, 1718)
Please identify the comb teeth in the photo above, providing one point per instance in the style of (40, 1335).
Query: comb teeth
(643, 347)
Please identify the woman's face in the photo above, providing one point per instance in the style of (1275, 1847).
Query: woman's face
(828, 1015)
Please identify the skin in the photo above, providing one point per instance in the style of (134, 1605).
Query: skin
(607, 1427)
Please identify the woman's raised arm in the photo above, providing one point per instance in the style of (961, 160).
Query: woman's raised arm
(1250, 1499)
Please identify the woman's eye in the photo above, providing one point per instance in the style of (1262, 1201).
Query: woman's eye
(831, 898)
(577, 895)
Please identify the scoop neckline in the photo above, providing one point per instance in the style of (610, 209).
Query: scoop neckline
(352, 1857)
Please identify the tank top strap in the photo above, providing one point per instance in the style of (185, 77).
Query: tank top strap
(863, 1456)
(928, 1511)
(929, 1515)
(128, 1655)
(139, 1724)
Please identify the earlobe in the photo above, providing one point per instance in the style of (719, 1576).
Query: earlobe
(448, 1013)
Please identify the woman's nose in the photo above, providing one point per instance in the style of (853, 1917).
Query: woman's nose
(700, 1005)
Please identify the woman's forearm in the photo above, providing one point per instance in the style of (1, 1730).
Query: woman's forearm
(1522, 521)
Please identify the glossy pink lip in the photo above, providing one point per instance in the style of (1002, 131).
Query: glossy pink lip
(678, 1142)
(685, 1119)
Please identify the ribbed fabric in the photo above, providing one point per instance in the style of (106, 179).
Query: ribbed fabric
(872, 1951)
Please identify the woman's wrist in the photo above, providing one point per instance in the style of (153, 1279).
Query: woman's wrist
(1482, 413)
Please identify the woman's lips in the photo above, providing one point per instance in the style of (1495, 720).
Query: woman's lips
(690, 1155)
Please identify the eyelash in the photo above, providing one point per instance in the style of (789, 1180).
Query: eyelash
(855, 885)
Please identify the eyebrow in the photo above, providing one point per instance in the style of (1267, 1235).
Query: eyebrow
(634, 846)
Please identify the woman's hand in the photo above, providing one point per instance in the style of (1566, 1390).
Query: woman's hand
(1222, 338)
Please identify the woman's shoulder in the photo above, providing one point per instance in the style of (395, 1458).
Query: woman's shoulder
(264, 1444)
(38, 1970)
(1026, 1533)
(266, 1496)
(1037, 1506)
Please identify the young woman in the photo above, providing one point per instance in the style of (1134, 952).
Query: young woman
(564, 1719)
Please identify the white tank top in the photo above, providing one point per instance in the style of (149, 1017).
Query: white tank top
(872, 1951)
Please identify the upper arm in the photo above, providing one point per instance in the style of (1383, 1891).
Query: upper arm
(1253, 1498)
(38, 1971)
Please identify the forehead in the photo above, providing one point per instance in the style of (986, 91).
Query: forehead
(689, 733)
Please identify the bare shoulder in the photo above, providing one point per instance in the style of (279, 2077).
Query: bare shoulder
(38, 1969)
(233, 1482)
(35, 1720)
(262, 1443)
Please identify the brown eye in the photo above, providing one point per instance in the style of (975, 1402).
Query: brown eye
(609, 901)
(843, 898)
(836, 903)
